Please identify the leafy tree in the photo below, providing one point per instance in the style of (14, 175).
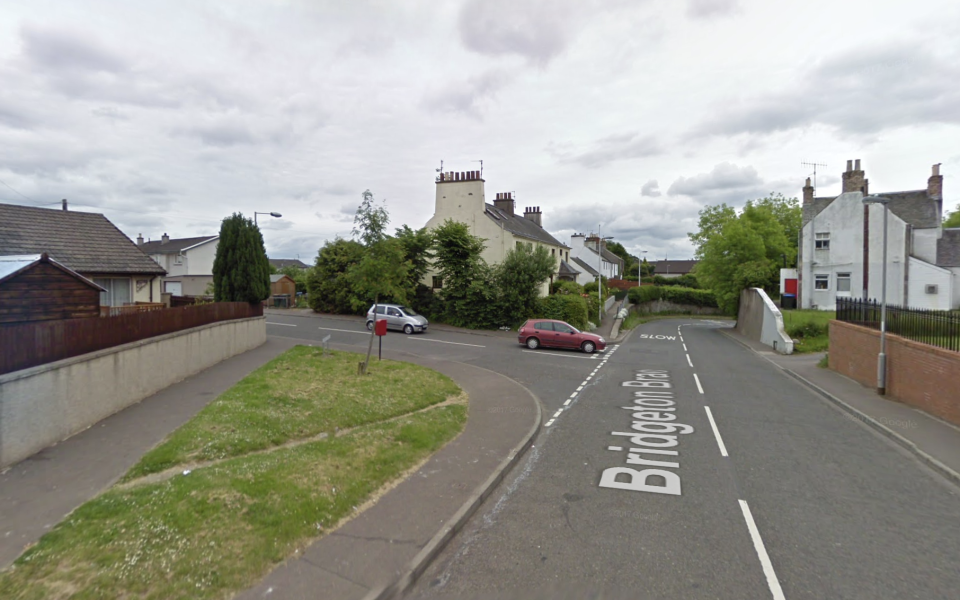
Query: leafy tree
(417, 245)
(788, 213)
(241, 271)
(618, 249)
(328, 284)
(468, 292)
(370, 222)
(953, 218)
(519, 278)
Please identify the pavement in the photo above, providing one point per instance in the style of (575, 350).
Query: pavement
(381, 552)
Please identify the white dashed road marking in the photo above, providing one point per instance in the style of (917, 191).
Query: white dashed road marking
(283, 324)
(419, 339)
(689, 362)
(716, 432)
(772, 582)
(566, 405)
(697, 379)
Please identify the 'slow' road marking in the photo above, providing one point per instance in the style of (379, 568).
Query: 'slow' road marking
(772, 581)
(716, 432)
(697, 379)
(284, 324)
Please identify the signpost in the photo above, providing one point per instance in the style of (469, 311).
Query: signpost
(380, 329)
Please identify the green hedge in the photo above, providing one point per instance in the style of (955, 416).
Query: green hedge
(677, 295)
(565, 307)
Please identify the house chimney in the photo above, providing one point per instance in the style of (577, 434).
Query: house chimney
(853, 180)
(64, 204)
(504, 202)
(935, 183)
(139, 239)
(164, 239)
(533, 214)
(808, 193)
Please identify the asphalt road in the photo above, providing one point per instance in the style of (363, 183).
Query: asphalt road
(781, 496)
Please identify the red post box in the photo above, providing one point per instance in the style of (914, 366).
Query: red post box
(380, 327)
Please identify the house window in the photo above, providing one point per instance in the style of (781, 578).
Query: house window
(519, 245)
(843, 282)
(821, 282)
(553, 251)
(437, 282)
(117, 291)
(178, 259)
(822, 241)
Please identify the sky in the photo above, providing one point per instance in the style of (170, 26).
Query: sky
(626, 117)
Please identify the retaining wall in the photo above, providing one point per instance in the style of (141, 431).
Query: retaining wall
(759, 319)
(920, 375)
(43, 405)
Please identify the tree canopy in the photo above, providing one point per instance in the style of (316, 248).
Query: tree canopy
(241, 271)
(738, 251)
(519, 278)
(953, 218)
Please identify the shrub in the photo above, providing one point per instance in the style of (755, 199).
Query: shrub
(808, 329)
(687, 281)
(644, 293)
(565, 307)
(566, 287)
(677, 295)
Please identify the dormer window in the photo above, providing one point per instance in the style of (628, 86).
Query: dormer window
(822, 241)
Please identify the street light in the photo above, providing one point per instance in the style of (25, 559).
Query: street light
(882, 358)
(640, 265)
(272, 214)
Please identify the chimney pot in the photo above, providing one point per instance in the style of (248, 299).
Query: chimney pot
(64, 204)
(139, 239)
(164, 239)
(935, 183)
(936, 169)
(856, 165)
(849, 166)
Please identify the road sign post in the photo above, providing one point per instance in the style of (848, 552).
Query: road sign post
(380, 329)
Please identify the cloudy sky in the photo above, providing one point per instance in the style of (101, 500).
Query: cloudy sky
(627, 115)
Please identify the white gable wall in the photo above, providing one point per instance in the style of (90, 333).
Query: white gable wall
(925, 244)
(199, 259)
(923, 274)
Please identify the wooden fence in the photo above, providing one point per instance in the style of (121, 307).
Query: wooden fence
(25, 345)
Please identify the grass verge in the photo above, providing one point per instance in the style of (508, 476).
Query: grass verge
(808, 329)
(221, 527)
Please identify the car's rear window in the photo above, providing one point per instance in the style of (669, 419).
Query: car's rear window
(544, 326)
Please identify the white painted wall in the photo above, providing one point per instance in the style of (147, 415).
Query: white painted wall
(923, 274)
(759, 319)
(46, 404)
(925, 244)
(199, 260)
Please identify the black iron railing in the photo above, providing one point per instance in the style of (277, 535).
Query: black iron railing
(938, 328)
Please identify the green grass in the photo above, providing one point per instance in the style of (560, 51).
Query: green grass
(298, 395)
(222, 527)
(808, 329)
(633, 319)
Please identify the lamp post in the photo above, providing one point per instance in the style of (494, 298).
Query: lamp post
(640, 265)
(276, 215)
(882, 358)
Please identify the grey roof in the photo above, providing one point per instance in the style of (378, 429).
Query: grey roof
(586, 267)
(914, 207)
(521, 226)
(665, 267)
(948, 248)
(279, 263)
(81, 241)
(566, 269)
(174, 246)
(278, 276)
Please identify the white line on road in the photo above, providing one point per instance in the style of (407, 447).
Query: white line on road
(549, 423)
(580, 388)
(772, 582)
(419, 339)
(344, 330)
(716, 432)
(284, 324)
(684, 347)
(542, 353)
(569, 400)
(557, 414)
(697, 379)
(689, 362)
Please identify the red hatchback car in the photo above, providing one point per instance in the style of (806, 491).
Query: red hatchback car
(557, 334)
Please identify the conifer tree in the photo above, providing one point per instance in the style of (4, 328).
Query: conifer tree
(241, 271)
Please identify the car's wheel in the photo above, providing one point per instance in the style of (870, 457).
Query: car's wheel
(588, 347)
(370, 325)
(533, 343)
(408, 329)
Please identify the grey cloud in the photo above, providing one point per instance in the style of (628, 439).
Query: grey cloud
(650, 188)
(221, 133)
(109, 112)
(15, 116)
(468, 96)
(724, 176)
(62, 49)
(610, 149)
(708, 9)
(860, 92)
(535, 30)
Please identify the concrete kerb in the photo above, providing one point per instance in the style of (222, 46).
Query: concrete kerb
(930, 461)
(435, 546)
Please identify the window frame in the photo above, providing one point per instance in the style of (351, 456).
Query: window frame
(821, 240)
(821, 278)
(844, 277)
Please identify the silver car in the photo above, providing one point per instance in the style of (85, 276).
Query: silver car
(399, 317)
